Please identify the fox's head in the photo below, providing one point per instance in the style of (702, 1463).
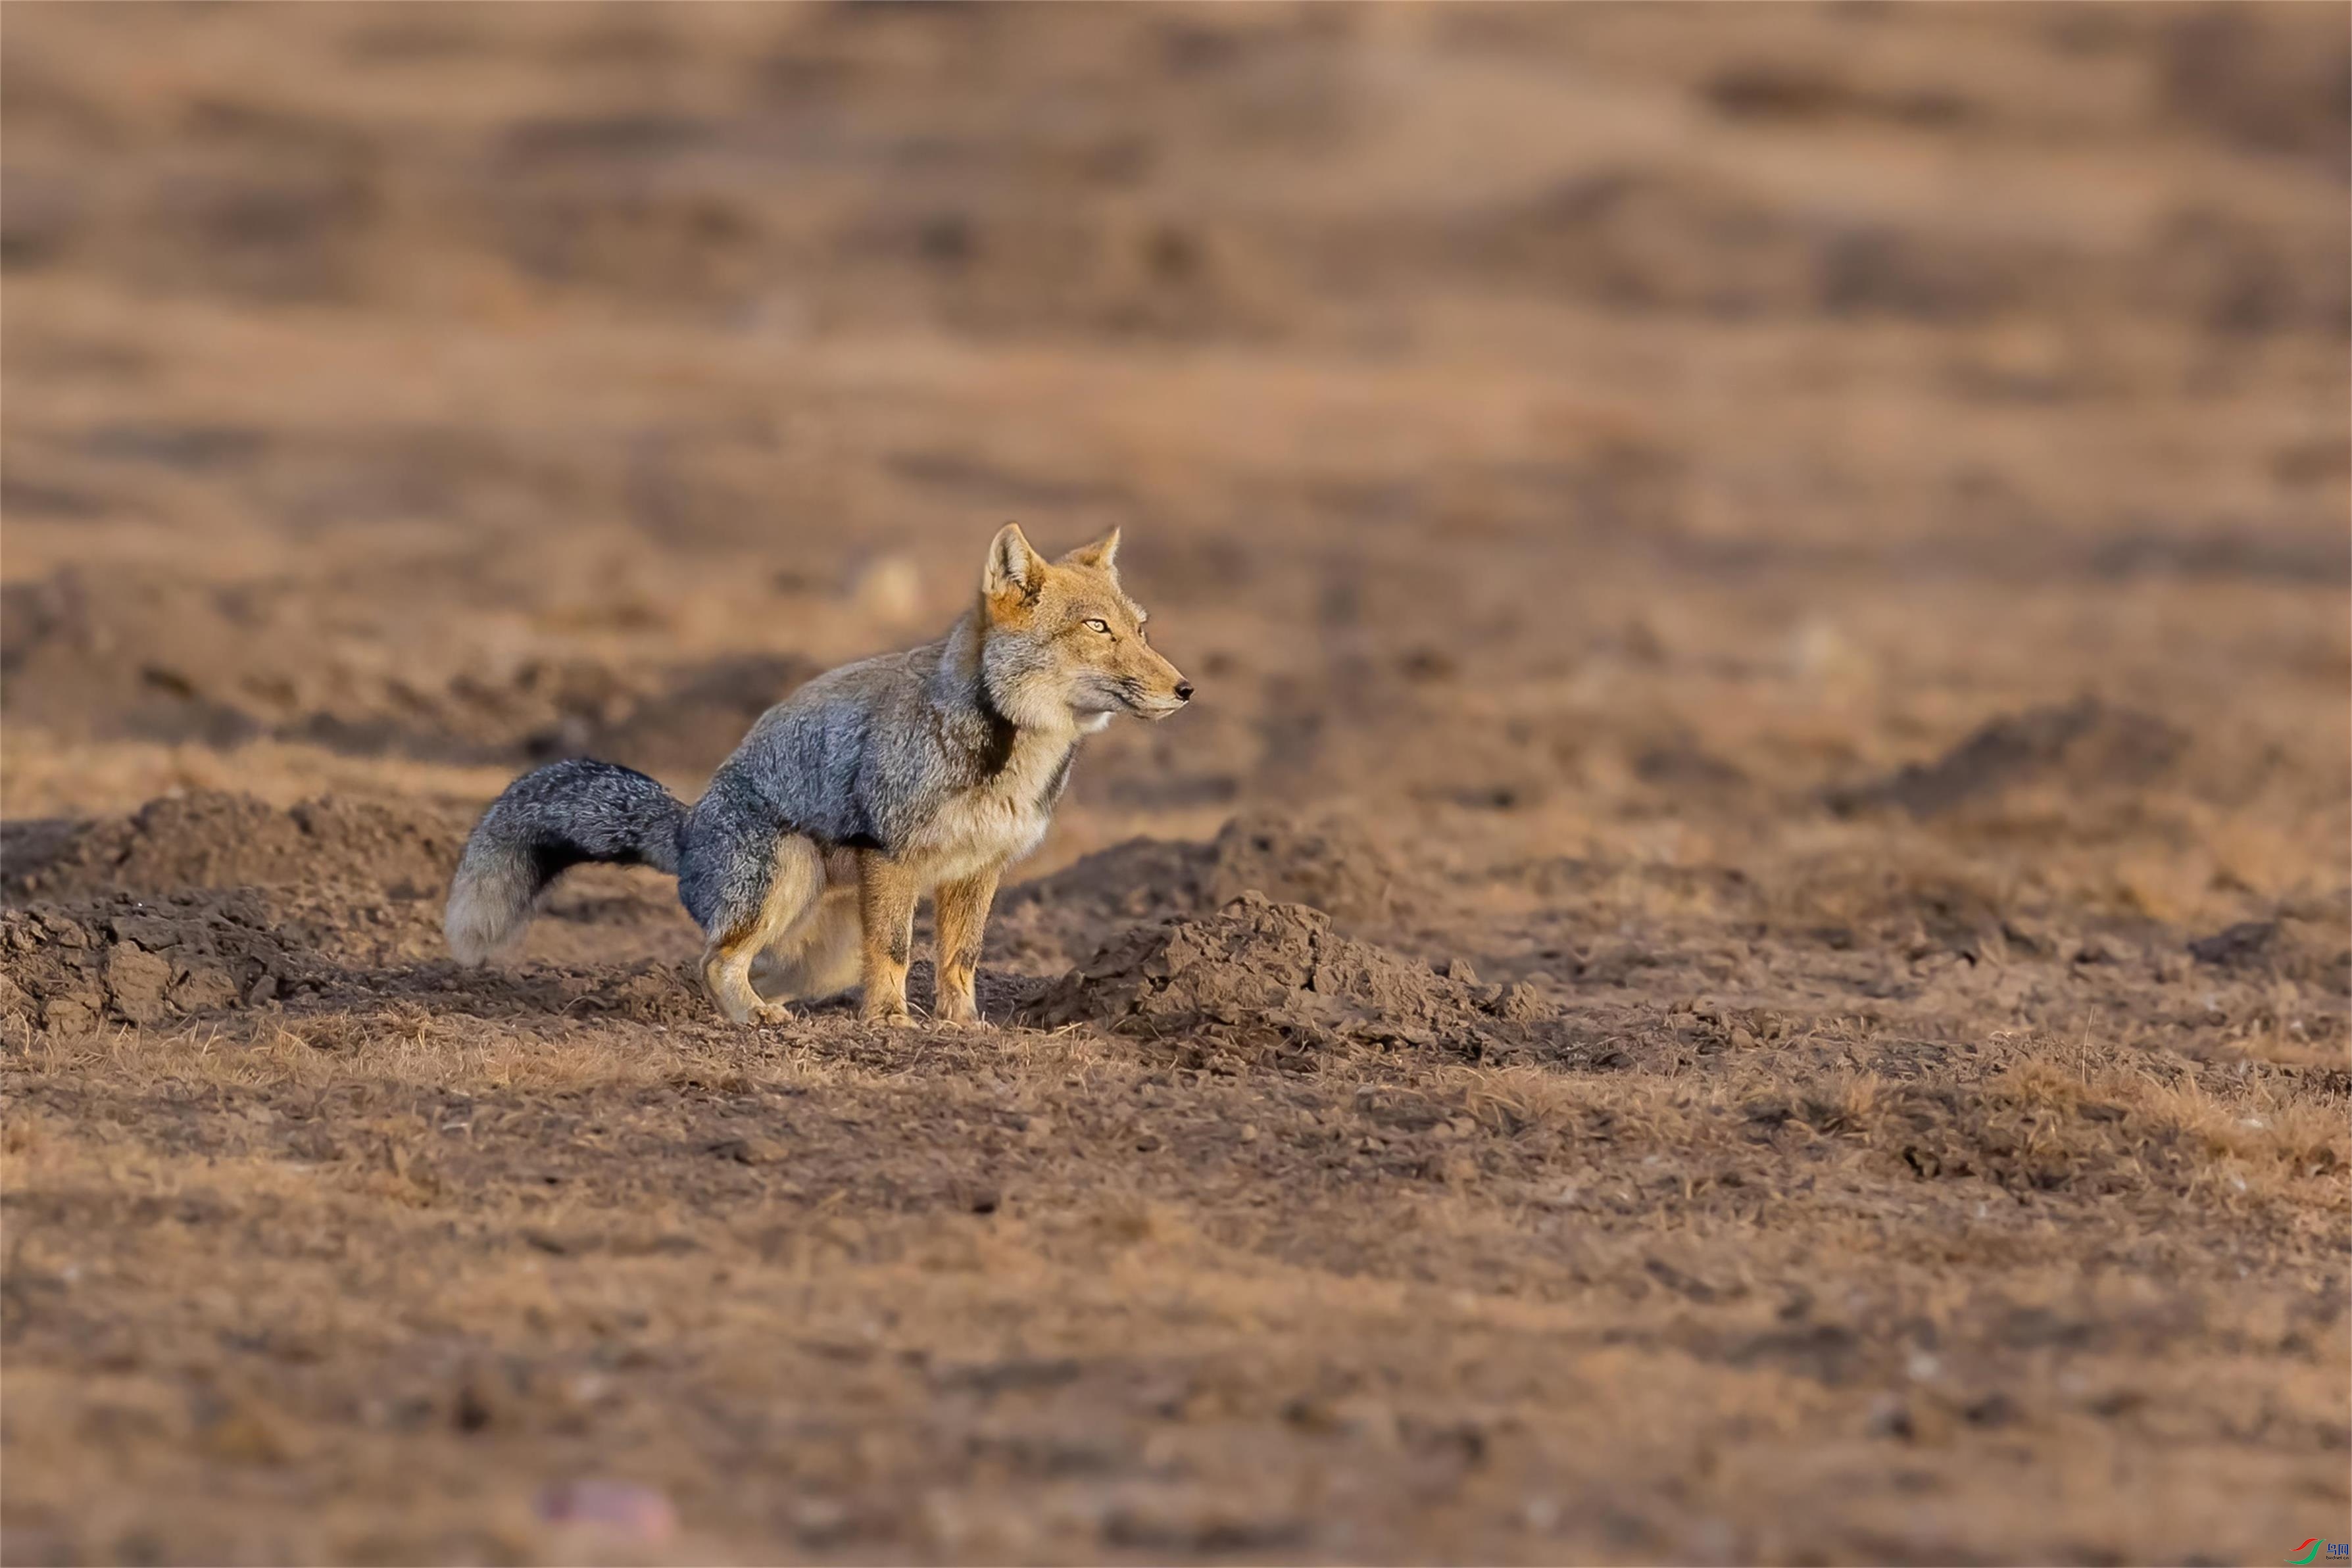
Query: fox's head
(1064, 642)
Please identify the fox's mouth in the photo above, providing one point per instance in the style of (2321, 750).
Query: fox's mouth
(1152, 705)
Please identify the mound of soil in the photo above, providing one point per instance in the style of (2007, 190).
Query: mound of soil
(1047, 925)
(1264, 975)
(214, 839)
(69, 969)
(1332, 866)
(2088, 745)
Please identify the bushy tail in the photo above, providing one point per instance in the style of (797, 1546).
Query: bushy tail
(547, 821)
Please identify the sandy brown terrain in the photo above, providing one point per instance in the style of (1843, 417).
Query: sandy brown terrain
(1744, 956)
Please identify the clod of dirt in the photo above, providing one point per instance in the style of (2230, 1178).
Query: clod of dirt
(1265, 974)
(212, 839)
(69, 969)
(2310, 942)
(752, 1150)
(2087, 743)
(2240, 944)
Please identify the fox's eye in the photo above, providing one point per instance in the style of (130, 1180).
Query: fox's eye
(1102, 626)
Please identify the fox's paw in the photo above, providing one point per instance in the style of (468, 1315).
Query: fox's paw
(768, 1014)
(963, 1017)
(893, 1018)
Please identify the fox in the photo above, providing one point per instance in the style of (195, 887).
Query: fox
(926, 772)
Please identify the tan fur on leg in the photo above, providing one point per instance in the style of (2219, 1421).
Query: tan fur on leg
(886, 907)
(962, 909)
(818, 957)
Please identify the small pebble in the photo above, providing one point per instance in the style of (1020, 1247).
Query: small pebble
(624, 1509)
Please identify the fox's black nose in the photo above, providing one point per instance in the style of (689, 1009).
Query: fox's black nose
(1183, 691)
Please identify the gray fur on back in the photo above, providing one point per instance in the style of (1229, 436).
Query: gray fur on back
(859, 757)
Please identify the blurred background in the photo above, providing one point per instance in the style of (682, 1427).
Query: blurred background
(461, 385)
(1809, 541)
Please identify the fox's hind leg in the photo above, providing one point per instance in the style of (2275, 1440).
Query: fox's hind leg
(759, 904)
(816, 958)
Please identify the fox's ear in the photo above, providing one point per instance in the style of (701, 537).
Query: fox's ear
(1013, 566)
(1102, 554)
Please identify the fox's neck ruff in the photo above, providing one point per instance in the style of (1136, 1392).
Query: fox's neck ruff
(1007, 724)
(1001, 731)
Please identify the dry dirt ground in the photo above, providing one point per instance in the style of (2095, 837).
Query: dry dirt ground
(1743, 957)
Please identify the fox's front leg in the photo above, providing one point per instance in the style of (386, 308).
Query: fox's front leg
(962, 909)
(885, 908)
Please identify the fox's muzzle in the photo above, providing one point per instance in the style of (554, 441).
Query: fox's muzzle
(1154, 705)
